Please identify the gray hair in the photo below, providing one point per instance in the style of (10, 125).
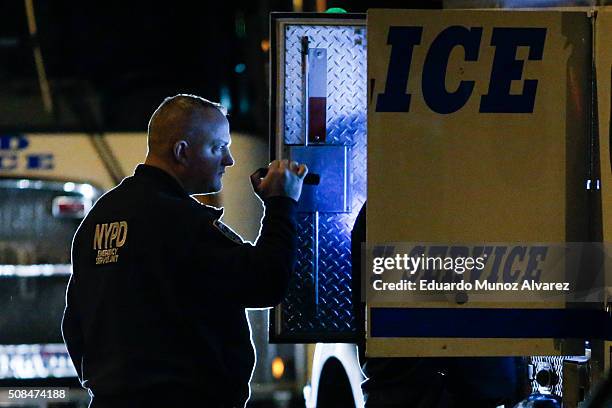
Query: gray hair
(173, 118)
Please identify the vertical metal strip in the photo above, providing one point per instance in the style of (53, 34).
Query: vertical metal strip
(315, 261)
(278, 320)
(593, 176)
(346, 179)
(305, 112)
(316, 100)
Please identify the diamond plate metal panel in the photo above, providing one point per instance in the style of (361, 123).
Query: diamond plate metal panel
(297, 310)
(346, 80)
(334, 301)
(320, 297)
(319, 300)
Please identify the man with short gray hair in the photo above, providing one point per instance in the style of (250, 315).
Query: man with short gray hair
(155, 305)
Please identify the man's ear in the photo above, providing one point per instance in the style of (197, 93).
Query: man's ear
(180, 152)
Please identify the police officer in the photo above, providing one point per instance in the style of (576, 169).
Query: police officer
(155, 305)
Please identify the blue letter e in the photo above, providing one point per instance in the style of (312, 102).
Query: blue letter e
(506, 68)
(402, 41)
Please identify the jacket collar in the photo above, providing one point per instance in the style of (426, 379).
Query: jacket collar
(161, 178)
(168, 183)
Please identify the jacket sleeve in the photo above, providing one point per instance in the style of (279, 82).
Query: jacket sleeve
(253, 275)
(71, 329)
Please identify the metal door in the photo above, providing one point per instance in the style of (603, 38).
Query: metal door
(318, 116)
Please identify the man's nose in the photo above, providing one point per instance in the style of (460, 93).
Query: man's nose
(228, 160)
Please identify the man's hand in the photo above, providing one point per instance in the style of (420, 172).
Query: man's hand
(284, 179)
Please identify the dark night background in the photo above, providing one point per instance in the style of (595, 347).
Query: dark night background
(110, 64)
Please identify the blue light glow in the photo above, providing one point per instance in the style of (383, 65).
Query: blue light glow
(225, 97)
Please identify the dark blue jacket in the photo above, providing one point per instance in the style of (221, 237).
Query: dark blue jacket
(159, 287)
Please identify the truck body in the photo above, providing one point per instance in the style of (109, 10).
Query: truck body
(459, 127)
